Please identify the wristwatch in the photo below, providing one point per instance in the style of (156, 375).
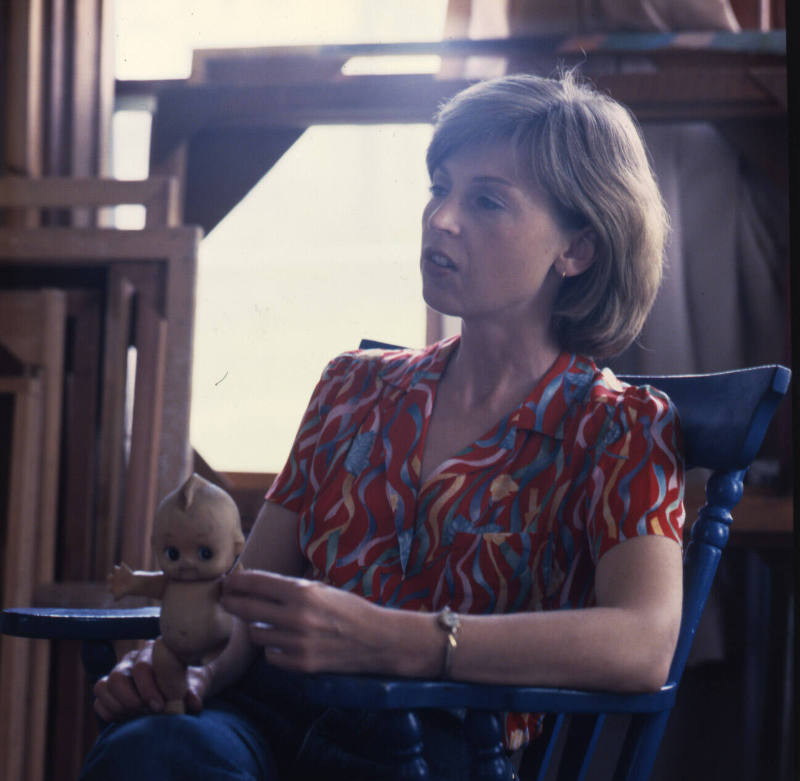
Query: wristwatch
(450, 623)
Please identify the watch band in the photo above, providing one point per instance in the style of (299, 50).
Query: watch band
(450, 623)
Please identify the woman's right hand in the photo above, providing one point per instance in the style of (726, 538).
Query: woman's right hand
(130, 689)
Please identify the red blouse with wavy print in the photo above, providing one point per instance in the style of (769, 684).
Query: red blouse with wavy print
(516, 521)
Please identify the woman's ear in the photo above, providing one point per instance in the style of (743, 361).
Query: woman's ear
(580, 254)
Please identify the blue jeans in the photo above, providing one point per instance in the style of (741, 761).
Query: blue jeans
(218, 744)
(265, 730)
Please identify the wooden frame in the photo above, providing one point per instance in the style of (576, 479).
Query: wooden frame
(223, 128)
(136, 281)
(158, 194)
(146, 293)
(21, 751)
(32, 327)
(164, 263)
(127, 305)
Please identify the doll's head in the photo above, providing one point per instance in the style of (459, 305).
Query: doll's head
(197, 533)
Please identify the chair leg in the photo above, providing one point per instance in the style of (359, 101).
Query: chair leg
(582, 737)
(485, 737)
(405, 748)
(98, 657)
(641, 746)
(540, 753)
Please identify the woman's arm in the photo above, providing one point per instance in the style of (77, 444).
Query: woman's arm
(626, 642)
(271, 546)
(272, 542)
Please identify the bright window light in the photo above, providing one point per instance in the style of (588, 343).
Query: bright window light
(155, 38)
(130, 149)
(363, 66)
(322, 252)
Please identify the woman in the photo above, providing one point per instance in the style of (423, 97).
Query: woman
(440, 507)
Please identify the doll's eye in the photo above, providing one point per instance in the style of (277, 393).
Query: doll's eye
(173, 554)
(205, 553)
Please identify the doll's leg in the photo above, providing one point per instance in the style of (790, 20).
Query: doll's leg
(170, 674)
(216, 745)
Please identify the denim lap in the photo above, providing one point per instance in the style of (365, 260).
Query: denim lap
(215, 745)
(264, 729)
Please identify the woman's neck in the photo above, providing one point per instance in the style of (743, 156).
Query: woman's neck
(495, 363)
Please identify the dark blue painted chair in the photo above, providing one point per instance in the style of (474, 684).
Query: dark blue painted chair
(724, 418)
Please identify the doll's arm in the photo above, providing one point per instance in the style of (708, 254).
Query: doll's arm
(123, 581)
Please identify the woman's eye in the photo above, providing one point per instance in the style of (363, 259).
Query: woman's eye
(173, 554)
(489, 203)
(437, 190)
(205, 553)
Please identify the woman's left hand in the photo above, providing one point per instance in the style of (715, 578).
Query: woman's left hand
(305, 625)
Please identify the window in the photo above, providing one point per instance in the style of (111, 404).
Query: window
(323, 251)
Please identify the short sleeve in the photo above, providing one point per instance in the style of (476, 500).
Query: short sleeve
(296, 481)
(636, 482)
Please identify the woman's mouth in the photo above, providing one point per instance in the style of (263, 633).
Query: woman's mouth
(438, 259)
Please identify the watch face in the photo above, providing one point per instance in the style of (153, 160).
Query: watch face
(449, 620)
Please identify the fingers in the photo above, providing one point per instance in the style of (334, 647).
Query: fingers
(257, 596)
(267, 585)
(288, 651)
(116, 698)
(250, 609)
(145, 681)
(198, 679)
(295, 621)
(270, 637)
(129, 689)
(193, 702)
(286, 661)
(106, 706)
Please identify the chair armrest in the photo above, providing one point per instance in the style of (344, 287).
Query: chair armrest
(347, 691)
(80, 624)
(97, 629)
(374, 692)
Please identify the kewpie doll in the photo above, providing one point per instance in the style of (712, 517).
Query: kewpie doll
(197, 536)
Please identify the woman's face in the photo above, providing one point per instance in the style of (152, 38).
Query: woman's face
(490, 242)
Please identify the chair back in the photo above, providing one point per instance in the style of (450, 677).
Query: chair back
(724, 417)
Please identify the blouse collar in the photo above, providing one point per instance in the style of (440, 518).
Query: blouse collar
(544, 410)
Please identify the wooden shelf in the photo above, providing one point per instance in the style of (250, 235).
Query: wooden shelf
(251, 104)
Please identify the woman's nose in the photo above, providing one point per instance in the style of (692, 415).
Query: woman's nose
(443, 216)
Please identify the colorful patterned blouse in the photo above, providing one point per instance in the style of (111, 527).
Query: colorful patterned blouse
(516, 521)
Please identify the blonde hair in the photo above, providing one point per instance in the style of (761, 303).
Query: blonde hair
(585, 152)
